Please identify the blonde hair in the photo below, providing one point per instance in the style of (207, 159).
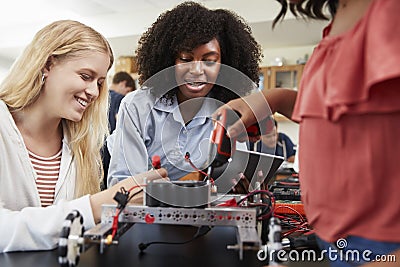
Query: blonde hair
(21, 87)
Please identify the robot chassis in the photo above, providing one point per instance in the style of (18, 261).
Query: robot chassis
(74, 240)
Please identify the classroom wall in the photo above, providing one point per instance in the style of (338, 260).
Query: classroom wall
(3, 73)
(290, 54)
(5, 65)
(290, 128)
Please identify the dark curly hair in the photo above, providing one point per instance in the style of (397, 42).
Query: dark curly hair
(190, 25)
(313, 9)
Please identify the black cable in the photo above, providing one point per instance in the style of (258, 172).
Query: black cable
(201, 231)
(137, 193)
(123, 197)
(265, 208)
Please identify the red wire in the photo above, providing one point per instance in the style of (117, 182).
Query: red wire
(289, 183)
(136, 186)
(187, 158)
(114, 226)
(272, 200)
(300, 228)
(298, 213)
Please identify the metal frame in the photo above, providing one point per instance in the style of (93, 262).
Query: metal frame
(244, 219)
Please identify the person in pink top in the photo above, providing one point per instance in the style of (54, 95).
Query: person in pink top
(348, 108)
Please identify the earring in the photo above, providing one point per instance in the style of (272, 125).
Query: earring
(43, 78)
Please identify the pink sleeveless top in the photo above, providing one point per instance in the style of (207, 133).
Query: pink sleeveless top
(348, 107)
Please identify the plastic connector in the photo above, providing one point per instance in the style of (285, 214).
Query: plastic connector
(122, 199)
(229, 203)
(156, 162)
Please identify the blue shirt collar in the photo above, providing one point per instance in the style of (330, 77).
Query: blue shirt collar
(207, 109)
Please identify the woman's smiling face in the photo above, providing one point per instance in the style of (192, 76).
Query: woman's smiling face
(196, 71)
(72, 85)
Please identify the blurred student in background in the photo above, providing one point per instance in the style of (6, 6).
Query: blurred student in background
(274, 142)
(122, 83)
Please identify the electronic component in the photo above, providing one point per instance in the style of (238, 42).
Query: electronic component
(308, 241)
(289, 207)
(244, 219)
(274, 239)
(287, 194)
(221, 146)
(213, 216)
(286, 189)
(177, 193)
(70, 243)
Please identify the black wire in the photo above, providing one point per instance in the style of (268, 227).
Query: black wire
(135, 194)
(199, 233)
(265, 208)
(241, 185)
(255, 192)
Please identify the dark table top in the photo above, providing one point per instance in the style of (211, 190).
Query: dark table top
(208, 250)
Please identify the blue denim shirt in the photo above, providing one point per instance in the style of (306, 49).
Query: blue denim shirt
(147, 126)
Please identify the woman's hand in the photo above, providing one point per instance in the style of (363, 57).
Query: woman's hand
(257, 106)
(252, 108)
(142, 179)
(136, 182)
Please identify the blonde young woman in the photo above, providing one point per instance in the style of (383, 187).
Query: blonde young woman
(53, 113)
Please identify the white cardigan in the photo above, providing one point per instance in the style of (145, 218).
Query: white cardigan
(24, 224)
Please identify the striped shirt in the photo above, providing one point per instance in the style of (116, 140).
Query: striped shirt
(47, 171)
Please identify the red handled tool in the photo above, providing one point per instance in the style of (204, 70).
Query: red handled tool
(221, 146)
(156, 162)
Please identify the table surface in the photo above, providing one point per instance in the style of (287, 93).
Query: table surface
(208, 250)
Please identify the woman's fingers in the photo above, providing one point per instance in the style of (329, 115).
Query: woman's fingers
(158, 174)
(239, 127)
(142, 178)
(252, 108)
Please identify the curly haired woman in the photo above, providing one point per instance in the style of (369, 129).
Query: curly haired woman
(190, 61)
